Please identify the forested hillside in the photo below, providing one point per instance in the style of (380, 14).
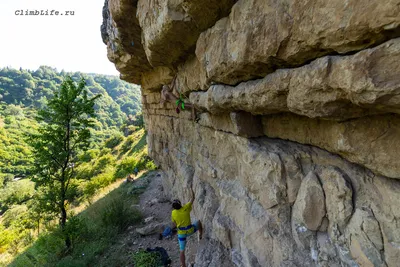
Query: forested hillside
(32, 89)
(117, 147)
(24, 91)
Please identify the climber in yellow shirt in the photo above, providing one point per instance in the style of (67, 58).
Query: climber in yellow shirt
(181, 218)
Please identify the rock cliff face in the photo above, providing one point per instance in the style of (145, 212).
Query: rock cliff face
(294, 158)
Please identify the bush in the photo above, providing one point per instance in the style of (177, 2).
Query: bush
(90, 189)
(118, 215)
(104, 151)
(150, 165)
(127, 145)
(114, 141)
(75, 191)
(89, 155)
(101, 165)
(84, 171)
(99, 181)
(76, 228)
(130, 129)
(9, 120)
(14, 111)
(105, 161)
(14, 215)
(5, 178)
(16, 193)
(126, 166)
(105, 178)
(142, 258)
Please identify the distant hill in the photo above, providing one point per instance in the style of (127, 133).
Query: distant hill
(23, 92)
(32, 88)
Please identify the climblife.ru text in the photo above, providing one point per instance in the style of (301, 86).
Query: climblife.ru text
(42, 12)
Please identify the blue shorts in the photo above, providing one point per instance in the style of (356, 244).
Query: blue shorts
(182, 238)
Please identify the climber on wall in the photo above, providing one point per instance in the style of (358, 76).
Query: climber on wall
(181, 219)
(167, 95)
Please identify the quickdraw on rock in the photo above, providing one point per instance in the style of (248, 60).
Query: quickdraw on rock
(180, 104)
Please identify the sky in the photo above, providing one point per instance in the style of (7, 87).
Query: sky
(70, 43)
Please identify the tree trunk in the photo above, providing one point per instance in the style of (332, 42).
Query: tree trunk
(63, 223)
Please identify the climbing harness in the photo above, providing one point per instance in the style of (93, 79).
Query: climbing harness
(186, 227)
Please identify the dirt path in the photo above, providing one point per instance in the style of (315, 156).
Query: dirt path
(154, 204)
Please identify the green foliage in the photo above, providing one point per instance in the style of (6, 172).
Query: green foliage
(114, 140)
(26, 211)
(134, 143)
(96, 167)
(142, 258)
(134, 153)
(14, 110)
(16, 232)
(16, 192)
(117, 214)
(76, 229)
(14, 215)
(34, 88)
(105, 151)
(126, 166)
(5, 178)
(136, 120)
(89, 155)
(103, 162)
(129, 129)
(63, 133)
(90, 233)
(99, 181)
(14, 152)
(150, 165)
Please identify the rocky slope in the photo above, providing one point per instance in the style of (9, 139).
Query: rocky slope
(294, 158)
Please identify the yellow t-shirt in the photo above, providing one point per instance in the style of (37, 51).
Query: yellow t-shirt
(181, 218)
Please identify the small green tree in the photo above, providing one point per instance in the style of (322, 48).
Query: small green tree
(63, 133)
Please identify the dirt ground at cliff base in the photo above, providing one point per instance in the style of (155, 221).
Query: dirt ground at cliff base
(154, 204)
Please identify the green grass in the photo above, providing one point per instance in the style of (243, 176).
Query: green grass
(142, 258)
(133, 144)
(98, 169)
(92, 232)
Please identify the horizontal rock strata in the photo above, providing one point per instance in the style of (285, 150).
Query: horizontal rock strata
(332, 87)
(369, 141)
(260, 36)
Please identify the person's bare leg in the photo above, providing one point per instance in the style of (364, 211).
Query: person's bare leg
(183, 260)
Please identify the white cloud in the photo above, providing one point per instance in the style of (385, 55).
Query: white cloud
(72, 43)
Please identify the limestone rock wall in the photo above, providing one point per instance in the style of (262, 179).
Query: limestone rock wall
(294, 159)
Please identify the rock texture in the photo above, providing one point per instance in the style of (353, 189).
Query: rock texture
(294, 157)
(122, 35)
(260, 36)
(332, 87)
(245, 188)
(171, 27)
(309, 208)
(370, 141)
